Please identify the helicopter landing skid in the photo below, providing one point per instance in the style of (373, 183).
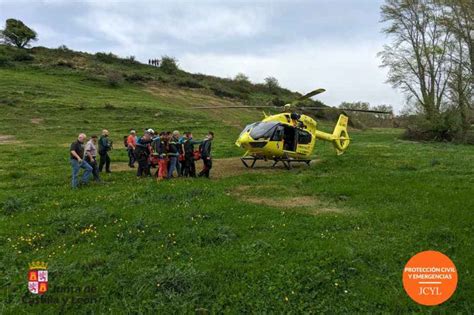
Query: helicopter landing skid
(286, 162)
(254, 159)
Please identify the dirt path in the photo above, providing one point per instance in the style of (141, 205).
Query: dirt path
(8, 139)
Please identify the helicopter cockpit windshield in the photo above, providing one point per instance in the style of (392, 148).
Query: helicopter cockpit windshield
(263, 130)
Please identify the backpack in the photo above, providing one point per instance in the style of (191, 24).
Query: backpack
(125, 143)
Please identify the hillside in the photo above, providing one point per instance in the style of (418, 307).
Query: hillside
(332, 237)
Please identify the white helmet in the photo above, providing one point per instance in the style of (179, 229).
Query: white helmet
(150, 131)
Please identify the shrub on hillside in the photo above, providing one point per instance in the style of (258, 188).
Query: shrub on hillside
(21, 55)
(107, 58)
(4, 60)
(114, 79)
(223, 92)
(190, 83)
(65, 63)
(272, 84)
(169, 65)
(276, 101)
(64, 48)
(136, 77)
(241, 77)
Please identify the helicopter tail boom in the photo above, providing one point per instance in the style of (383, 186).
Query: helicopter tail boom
(339, 137)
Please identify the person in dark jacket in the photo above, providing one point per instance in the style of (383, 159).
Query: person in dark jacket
(206, 154)
(173, 154)
(188, 149)
(77, 162)
(105, 145)
(142, 152)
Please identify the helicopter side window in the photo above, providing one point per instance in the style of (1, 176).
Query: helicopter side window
(304, 137)
(263, 130)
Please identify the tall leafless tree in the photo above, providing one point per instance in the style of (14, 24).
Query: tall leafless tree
(417, 58)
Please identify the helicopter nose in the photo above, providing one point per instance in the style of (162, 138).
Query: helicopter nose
(244, 141)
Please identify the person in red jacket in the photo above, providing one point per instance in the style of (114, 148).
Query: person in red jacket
(131, 145)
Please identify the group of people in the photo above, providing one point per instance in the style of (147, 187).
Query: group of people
(168, 152)
(154, 62)
(84, 155)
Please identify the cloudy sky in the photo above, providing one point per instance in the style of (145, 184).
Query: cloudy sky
(304, 44)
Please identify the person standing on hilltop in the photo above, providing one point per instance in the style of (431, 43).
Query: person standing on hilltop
(105, 145)
(76, 159)
(206, 156)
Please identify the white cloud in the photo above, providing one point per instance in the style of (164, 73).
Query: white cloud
(146, 22)
(349, 71)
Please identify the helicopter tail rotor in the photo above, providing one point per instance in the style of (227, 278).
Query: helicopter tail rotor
(339, 137)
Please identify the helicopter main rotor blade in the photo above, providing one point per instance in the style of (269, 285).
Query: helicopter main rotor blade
(346, 109)
(308, 95)
(234, 106)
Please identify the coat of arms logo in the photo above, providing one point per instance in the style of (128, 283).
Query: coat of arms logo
(38, 277)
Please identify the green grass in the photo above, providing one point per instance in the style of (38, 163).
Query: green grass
(195, 245)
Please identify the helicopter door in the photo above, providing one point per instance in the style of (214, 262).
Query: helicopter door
(304, 141)
(289, 139)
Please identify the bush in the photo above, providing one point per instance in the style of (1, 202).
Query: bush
(169, 65)
(107, 58)
(114, 79)
(136, 77)
(272, 84)
(222, 92)
(21, 55)
(64, 48)
(4, 60)
(190, 83)
(65, 63)
(241, 77)
(446, 127)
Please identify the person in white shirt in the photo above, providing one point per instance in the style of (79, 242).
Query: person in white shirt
(90, 154)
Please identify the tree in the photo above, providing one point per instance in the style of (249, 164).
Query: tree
(272, 83)
(17, 33)
(169, 65)
(458, 20)
(241, 77)
(418, 58)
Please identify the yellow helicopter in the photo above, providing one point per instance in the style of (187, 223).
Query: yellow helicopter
(289, 137)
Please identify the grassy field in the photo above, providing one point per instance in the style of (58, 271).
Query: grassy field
(331, 238)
